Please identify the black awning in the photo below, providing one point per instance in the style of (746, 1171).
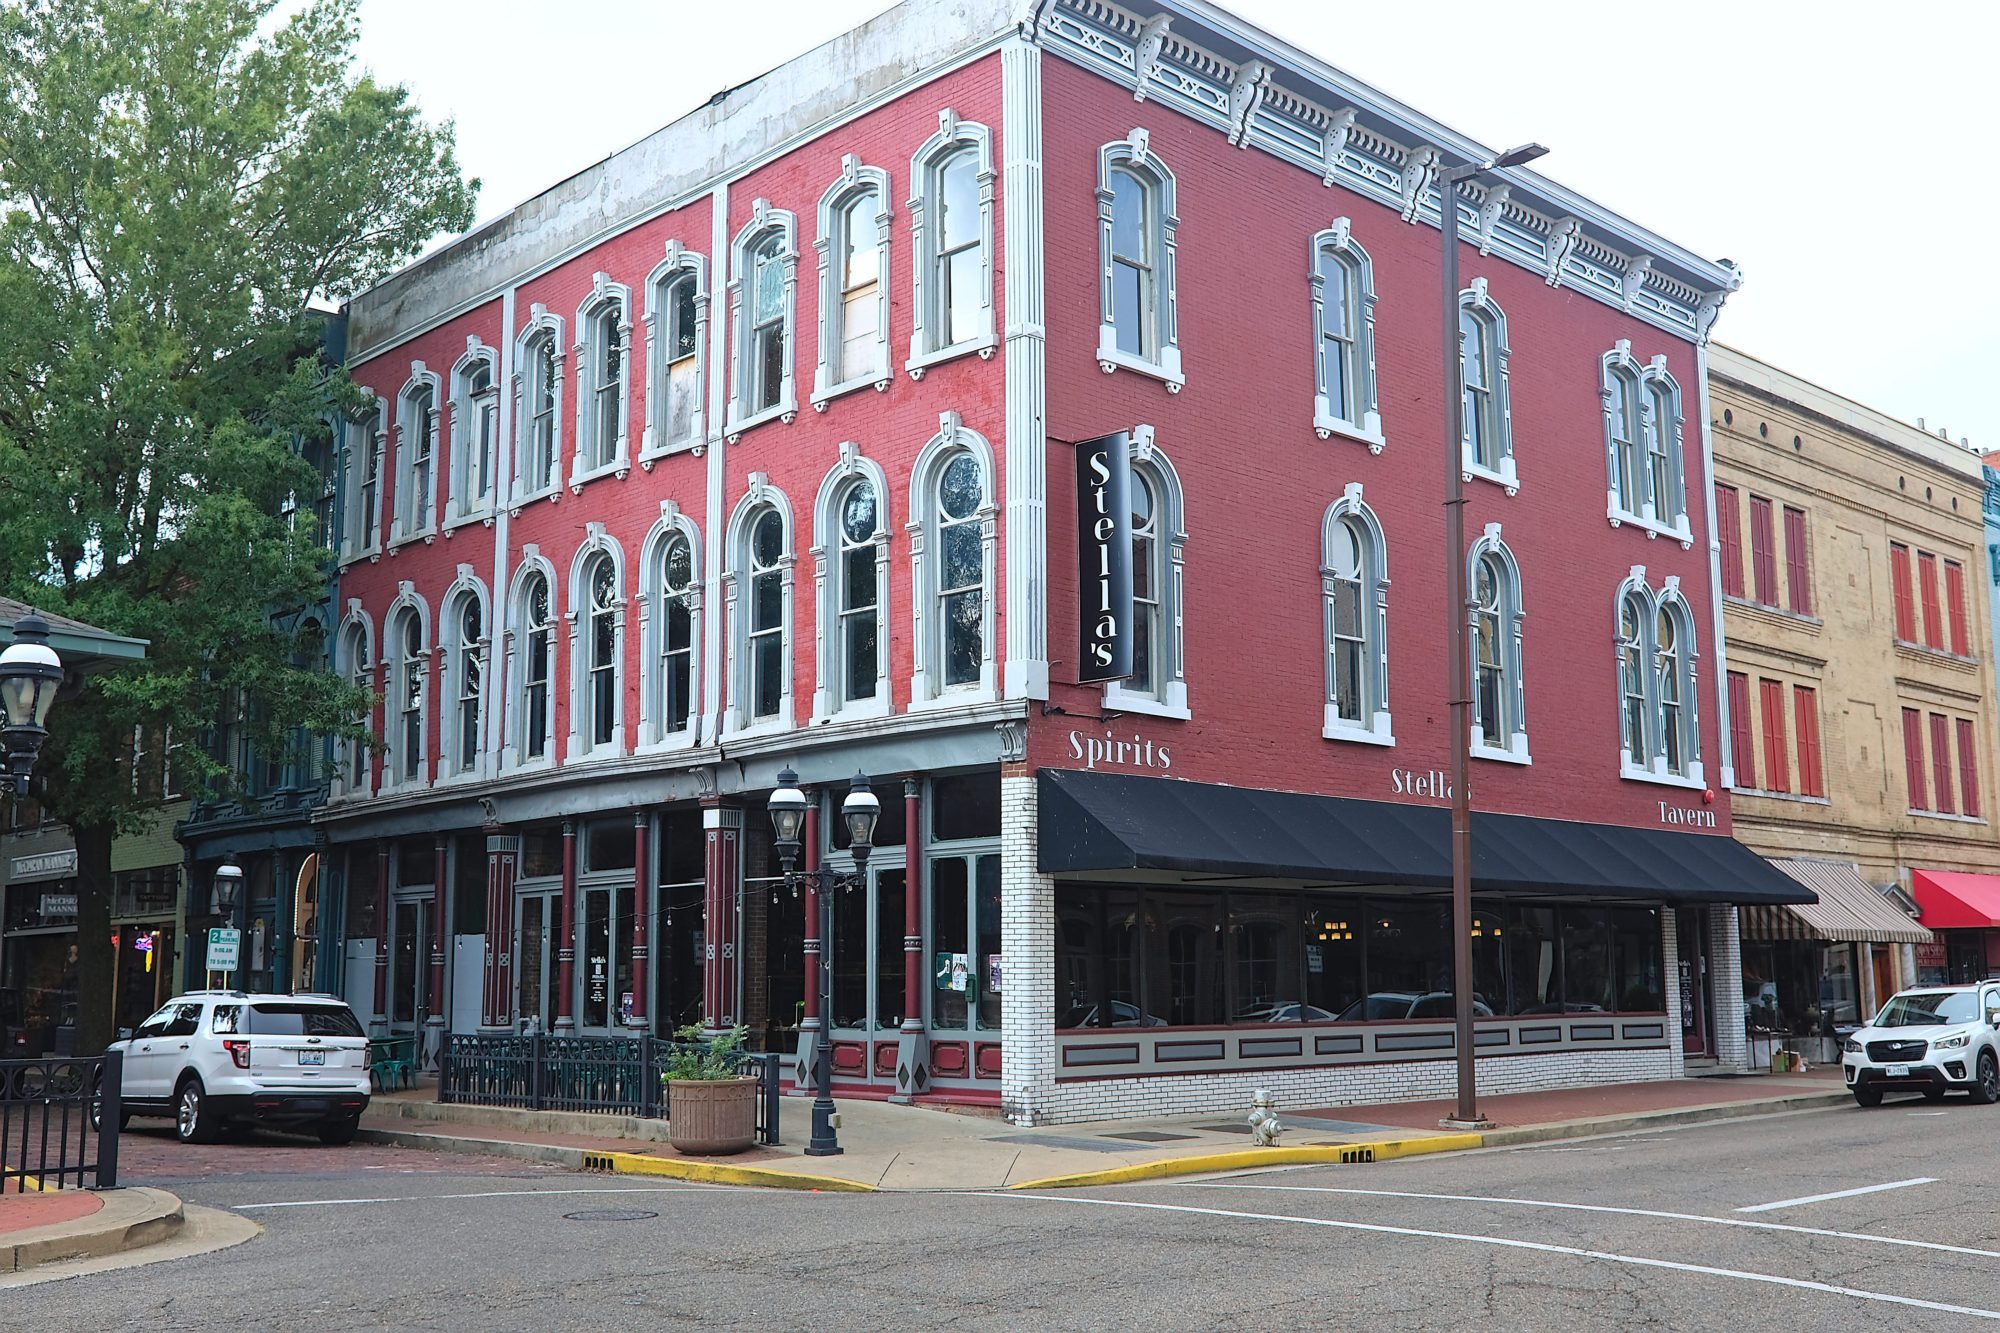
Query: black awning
(1108, 822)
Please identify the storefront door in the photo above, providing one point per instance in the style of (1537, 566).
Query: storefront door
(604, 960)
(868, 976)
(535, 920)
(1697, 1008)
(409, 955)
(965, 977)
(1885, 983)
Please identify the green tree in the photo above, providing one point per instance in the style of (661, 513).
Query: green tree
(180, 182)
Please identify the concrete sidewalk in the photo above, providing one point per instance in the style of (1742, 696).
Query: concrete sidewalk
(924, 1148)
(58, 1226)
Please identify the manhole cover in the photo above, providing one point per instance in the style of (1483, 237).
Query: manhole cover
(611, 1215)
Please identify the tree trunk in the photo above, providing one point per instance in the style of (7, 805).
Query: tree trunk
(95, 954)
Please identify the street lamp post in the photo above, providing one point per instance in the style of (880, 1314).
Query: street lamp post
(788, 811)
(1458, 614)
(229, 892)
(30, 674)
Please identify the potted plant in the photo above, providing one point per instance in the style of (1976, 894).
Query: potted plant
(711, 1109)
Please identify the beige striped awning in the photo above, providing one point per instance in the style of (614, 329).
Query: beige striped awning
(1849, 909)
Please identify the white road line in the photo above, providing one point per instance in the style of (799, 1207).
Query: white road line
(488, 1194)
(1838, 1194)
(1599, 1208)
(1507, 1243)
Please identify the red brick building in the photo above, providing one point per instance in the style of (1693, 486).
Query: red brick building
(754, 445)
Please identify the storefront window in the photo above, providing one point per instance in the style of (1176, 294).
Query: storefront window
(1332, 958)
(468, 885)
(1533, 950)
(1409, 961)
(1587, 972)
(1184, 959)
(1265, 955)
(608, 845)
(1635, 935)
(541, 852)
(965, 805)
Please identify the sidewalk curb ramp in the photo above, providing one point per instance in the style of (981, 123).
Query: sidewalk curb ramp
(130, 1219)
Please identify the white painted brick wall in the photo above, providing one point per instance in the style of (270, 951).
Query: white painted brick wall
(1028, 937)
(1670, 952)
(1725, 972)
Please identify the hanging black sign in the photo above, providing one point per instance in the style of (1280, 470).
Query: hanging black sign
(1104, 558)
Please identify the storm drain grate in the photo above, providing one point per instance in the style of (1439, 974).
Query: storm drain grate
(610, 1215)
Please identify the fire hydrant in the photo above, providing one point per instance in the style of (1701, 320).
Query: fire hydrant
(1264, 1126)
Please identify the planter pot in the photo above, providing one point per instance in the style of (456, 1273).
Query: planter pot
(712, 1117)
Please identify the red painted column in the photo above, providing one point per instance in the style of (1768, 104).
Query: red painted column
(437, 926)
(722, 827)
(382, 934)
(641, 920)
(503, 861)
(566, 942)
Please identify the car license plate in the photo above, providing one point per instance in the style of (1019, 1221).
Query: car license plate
(319, 1058)
(1899, 1071)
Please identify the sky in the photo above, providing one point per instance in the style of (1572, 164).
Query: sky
(1842, 153)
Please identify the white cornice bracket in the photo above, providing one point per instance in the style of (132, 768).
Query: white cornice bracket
(1419, 174)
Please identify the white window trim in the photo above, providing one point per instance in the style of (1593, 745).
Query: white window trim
(1670, 600)
(604, 295)
(1134, 153)
(952, 133)
(737, 719)
(540, 324)
(1339, 239)
(828, 705)
(855, 180)
(1506, 475)
(406, 527)
(407, 603)
(1644, 378)
(926, 640)
(1170, 527)
(1375, 589)
(467, 584)
(356, 631)
(576, 622)
(360, 441)
(652, 600)
(513, 754)
(763, 219)
(678, 263)
(1515, 750)
(464, 418)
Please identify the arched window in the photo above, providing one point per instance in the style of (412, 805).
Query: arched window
(952, 566)
(466, 672)
(763, 294)
(760, 606)
(1355, 589)
(1499, 722)
(603, 335)
(1667, 489)
(854, 288)
(853, 553)
(411, 669)
(1659, 739)
(1343, 299)
(475, 433)
(365, 443)
(1486, 424)
(539, 461)
(1136, 216)
(1634, 678)
(600, 635)
(679, 601)
(354, 664)
(676, 331)
(1158, 683)
(1642, 445)
(765, 645)
(952, 239)
(416, 452)
(1623, 417)
(961, 572)
(860, 594)
(1674, 729)
(537, 631)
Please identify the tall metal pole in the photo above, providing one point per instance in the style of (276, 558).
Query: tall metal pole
(1458, 611)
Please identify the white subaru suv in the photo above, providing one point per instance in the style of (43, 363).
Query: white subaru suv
(1931, 1039)
(212, 1059)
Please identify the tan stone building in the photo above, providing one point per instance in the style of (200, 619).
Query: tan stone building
(1859, 682)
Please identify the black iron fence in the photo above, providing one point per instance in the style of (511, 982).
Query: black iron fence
(59, 1123)
(619, 1075)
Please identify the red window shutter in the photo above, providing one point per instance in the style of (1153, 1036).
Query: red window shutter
(1745, 761)
(1763, 554)
(1899, 573)
(1941, 761)
(1954, 605)
(1777, 771)
(1913, 758)
(1798, 590)
(1729, 519)
(1805, 710)
(1927, 587)
(1968, 770)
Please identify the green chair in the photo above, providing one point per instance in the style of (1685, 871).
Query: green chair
(392, 1064)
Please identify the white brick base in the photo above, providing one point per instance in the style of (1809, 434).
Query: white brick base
(1028, 936)
(1725, 984)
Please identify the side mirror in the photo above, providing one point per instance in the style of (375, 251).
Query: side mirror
(1993, 1017)
(125, 1034)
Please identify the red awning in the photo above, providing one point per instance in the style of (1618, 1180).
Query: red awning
(1953, 900)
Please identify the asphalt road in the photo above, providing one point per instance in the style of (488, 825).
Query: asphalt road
(1716, 1226)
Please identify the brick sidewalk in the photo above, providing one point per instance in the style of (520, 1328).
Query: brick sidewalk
(1516, 1109)
(18, 1212)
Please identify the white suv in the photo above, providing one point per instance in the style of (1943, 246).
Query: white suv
(215, 1058)
(1932, 1039)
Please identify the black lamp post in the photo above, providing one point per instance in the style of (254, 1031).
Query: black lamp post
(30, 674)
(1458, 614)
(229, 892)
(788, 812)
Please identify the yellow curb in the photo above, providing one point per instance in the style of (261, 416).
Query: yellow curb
(716, 1173)
(1381, 1150)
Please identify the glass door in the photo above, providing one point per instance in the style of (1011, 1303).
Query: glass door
(867, 951)
(605, 960)
(534, 959)
(408, 954)
(1695, 1007)
(966, 980)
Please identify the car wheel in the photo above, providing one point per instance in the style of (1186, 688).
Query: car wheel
(1868, 1096)
(193, 1121)
(334, 1133)
(1987, 1090)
